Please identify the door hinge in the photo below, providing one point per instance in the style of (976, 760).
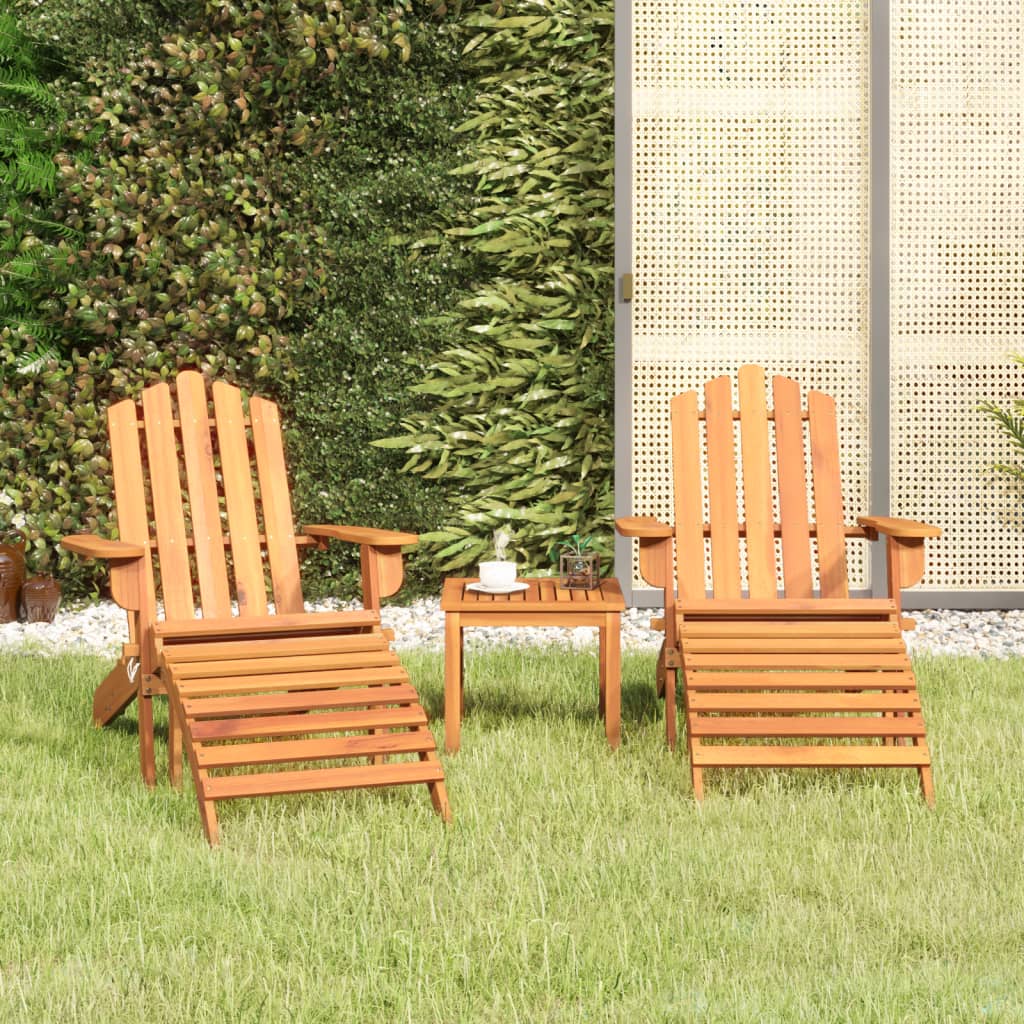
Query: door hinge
(627, 287)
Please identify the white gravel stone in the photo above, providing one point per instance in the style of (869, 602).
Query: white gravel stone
(102, 628)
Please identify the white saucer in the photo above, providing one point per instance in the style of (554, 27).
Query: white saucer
(512, 588)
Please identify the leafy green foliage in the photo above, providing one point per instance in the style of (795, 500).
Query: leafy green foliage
(194, 246)
(518, 429)
(381, 178)
(1011, 421)
(33, 247)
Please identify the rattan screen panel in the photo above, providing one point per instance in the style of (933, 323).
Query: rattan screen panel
(750, 210)
(957, 279)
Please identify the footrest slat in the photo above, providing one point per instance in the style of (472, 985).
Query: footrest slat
(268, 726)
(831, 756)
(236, 755)
(735, 726)
(230, 787)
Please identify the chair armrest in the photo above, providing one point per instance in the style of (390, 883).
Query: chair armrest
(126, 565)
(380, 557)
(362, 535)
(643, 526)
(898, 527)
(90, 546)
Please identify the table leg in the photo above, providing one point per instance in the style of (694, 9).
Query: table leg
(611, 672)
(452, 681)
(602, 644)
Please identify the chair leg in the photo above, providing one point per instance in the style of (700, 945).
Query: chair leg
(697, 775)
(438, 791)
(147, 757)
(659, 672)
(670, 707)
(174, 747)
(927, 786)
(208, 815)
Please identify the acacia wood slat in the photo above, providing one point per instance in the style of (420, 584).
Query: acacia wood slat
(542, 598)
(794, 703)
(309, 623)
(789, 453)
(301, 700)
(236, 471)
(279, 647)
(231, 787)
(757, 483)
(841, 680)
(165, 487)
(828, 496)
(723, 514)
(130, 493)
(797, 607)
(809, 661)
(284, 751)
(292, 663)
(791, 645)
(744, 629)
(276, 504)
(830, 756)
(203, 499)
(335, 678)
(688, 495)
(830, 727)
(268, 726)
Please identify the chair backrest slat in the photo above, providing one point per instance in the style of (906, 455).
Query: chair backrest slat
(789, 451)
(168, 515)
(203, 498)
(689, 506)
(828, 497)
(765, 489)
(722, 511)
(236, 470)
(757, 484)
(276, 505)
(129, 485)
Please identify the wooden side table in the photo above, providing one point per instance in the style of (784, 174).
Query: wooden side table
(543, 604)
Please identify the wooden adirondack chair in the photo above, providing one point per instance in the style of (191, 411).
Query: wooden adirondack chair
(248, 689)
(782, 661)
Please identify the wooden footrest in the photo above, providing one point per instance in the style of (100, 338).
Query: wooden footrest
(302, 703)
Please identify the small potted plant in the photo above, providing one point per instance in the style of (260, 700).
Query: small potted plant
(579, 568)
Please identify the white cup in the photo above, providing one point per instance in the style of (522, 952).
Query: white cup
(497, 574)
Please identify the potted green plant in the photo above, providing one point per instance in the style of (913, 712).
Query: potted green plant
(579, 568)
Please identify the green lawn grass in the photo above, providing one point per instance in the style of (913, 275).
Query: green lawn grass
(576, 884)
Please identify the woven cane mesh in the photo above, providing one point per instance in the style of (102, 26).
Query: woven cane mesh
(750, 188)
(957, 250)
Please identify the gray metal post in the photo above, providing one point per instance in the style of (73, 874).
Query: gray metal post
(623, 266)
(878, 280)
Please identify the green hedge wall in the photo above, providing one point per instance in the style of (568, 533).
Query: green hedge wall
(206, 240)
(519, 427)
(383, 179)
(420, 241)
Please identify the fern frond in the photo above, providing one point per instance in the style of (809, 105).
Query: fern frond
(24, 86)
(33, 361)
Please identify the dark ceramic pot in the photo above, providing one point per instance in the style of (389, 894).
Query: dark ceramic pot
(12, 575)
(40, 598)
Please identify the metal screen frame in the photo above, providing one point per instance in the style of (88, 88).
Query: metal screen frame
(879, 342)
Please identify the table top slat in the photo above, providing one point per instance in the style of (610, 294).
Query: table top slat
(543, 595)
